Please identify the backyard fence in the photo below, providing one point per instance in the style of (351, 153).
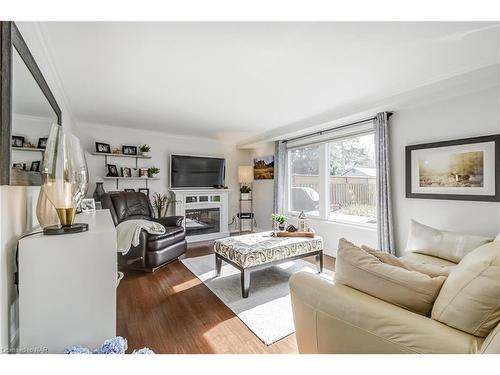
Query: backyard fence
(343, 190)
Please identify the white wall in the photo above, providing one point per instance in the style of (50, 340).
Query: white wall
(263, 190)
(468, 115)
(465, 116)
(17, 202)
(162, 145)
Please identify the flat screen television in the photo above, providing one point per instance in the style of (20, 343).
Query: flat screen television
(196, 172)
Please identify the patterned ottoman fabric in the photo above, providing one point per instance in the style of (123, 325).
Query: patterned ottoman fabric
(260, 248)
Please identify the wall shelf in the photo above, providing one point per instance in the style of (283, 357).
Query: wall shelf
(111, 155)
(130, 179)
(121, 155)
(28, 149)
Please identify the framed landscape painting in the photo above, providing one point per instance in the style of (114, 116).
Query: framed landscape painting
(461, 169)
(263, 168)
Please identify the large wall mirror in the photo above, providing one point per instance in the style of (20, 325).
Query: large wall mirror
(28, 111)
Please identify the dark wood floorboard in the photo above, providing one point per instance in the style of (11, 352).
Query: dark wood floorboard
(171, 311)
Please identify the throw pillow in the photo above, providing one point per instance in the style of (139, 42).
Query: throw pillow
(440, 243)
(432, 270)
(470, 297)
(363, 271)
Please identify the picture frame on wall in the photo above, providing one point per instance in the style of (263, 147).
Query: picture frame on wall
(42, 143)
(17, 141)
(35, 166)
(126, 172)
(263, 168)
(129, 150)
(144, 191)
(461, 169)
(102, 148)
(112, 170)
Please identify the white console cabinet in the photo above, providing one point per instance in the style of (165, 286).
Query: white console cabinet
(205, 213)
(67, 287)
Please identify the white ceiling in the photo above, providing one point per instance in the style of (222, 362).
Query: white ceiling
(236, 80)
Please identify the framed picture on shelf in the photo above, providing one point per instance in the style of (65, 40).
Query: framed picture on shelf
(460, 169)
(126, 172)
(143, 172)
(21, 166)
(35, 166)
(42, 143)
(144, 191)
(87, 205)
(129, 190)
(103, 148)
(17, 141)
(112, 170)
(129, 150)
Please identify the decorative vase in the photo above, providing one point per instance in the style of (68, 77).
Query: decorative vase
(145, 153)
(99, 191)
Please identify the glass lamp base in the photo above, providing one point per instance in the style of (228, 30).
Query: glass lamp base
(73, 228)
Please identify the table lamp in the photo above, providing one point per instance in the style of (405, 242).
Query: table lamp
(65, 181)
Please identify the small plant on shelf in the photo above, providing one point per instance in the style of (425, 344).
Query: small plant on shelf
(280, 220)
(153, 171)
(145, 149)
(245, 192)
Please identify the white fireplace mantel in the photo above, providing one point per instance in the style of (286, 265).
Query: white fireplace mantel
(196, 199)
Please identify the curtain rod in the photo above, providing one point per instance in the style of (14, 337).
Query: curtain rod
(329, 130)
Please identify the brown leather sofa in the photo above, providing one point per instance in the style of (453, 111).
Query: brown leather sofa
(153, 251)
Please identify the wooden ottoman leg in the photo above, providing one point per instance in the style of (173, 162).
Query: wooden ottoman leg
(245, 282)
(218, 265)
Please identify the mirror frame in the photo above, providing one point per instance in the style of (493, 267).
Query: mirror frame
(10, 38)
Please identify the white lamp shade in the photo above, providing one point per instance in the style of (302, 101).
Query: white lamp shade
(245, 174)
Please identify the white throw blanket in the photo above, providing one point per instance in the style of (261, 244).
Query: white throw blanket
(129, 231)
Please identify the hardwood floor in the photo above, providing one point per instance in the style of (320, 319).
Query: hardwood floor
(171, 311)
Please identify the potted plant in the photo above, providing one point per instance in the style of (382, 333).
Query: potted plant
(145, 149)
(245, 192)
(161, 203)
(281, 220)
(152, 171)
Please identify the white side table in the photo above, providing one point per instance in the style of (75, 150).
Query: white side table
(67, 286)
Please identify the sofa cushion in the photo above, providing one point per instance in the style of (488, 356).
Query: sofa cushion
(361, 270)
(440, 243)
(470, 297)
(430, 269)
(428, 259)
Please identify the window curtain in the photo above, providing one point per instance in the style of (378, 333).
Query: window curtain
(384, 199)
(279, 176)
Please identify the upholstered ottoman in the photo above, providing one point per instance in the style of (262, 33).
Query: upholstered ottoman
(259, 250)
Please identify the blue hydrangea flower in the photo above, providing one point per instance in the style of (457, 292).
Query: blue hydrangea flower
(77, 349)
(116, 345)
(143, 351)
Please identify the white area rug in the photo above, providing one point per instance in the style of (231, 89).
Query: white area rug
(267, 311)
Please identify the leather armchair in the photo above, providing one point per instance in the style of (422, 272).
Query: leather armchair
(153, 251)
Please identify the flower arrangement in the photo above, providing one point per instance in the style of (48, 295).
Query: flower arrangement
(116, 345)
